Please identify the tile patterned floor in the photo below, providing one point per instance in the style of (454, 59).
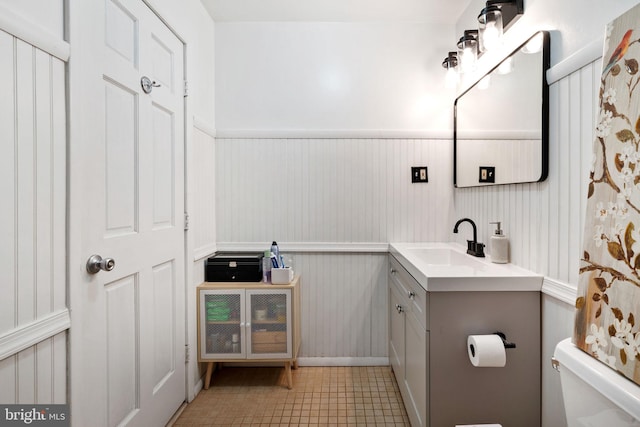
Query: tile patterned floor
(321, 396)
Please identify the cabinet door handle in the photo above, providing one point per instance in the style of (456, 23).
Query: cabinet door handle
(412, 295)
(399, 308)
(392, 271)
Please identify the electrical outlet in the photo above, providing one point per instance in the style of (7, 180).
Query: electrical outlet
(419, 174)
(487, 174)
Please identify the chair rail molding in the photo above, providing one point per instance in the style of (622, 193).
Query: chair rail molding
(16, 340)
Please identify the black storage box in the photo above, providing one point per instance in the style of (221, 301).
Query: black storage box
(233, 267)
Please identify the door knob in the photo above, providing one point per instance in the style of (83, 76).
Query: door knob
(95, 263)
(147, 84)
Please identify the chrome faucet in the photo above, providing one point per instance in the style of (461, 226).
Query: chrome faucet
(473, 247)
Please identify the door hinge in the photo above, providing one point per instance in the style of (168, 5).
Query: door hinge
(186, 221)
(186, 88)
(187, 353)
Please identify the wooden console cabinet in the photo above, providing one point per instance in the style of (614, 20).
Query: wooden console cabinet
(248, 322)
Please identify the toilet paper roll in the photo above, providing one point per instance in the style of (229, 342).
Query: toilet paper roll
(486, 351)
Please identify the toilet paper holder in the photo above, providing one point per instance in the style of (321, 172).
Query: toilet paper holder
(506, 343)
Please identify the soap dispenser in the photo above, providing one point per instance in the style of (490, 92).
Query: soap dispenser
(499, 246)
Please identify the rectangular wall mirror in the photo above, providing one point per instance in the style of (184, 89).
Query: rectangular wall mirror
(501, 123)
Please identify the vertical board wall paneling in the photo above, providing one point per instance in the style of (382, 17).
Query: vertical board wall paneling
(343, 298)
(8, 185)
(331, 190)
(26, 191)
(335, 190)
(203, 218)
(33, 248)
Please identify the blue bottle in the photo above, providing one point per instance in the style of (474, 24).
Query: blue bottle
(275, 251)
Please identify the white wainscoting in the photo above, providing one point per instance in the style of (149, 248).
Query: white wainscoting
(37, 374)
(332, 190)
(346, 198)
(33, 312)
(344, 305)
(202, 232)
(203, 217)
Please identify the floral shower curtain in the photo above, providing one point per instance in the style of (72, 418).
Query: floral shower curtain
(608, 305)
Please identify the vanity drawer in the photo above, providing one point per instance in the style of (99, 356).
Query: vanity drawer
(417, 298)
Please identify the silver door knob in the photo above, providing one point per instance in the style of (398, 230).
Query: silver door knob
(147, 84)
(95, 263)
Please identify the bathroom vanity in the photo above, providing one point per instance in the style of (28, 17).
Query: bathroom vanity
(438, 296)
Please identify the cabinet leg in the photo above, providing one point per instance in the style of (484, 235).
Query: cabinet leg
(207, 376)
(287, 368)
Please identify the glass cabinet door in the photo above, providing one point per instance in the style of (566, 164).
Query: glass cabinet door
(221, 313)
(269, 330)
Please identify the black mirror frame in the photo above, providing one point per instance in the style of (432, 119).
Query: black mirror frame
(546, 60)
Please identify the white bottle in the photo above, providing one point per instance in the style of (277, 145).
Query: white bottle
(499, 246)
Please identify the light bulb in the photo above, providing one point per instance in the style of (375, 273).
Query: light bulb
(490, 27)
(491, 36)
(467, 59)
(467, 50)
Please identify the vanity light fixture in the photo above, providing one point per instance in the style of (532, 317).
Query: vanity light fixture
(450, 63)
(468, 50)
(495, 18)
(490, 28)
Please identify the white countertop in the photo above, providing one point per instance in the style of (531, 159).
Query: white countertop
(446, 267)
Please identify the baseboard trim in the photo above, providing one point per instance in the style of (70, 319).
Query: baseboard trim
(197, 388)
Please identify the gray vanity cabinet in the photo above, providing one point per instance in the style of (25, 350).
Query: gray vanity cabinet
(428, 354)
(409, 342)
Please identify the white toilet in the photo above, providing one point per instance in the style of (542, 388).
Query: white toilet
(594, 394)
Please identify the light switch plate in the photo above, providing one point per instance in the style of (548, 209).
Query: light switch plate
(487, 174)
(419, 174)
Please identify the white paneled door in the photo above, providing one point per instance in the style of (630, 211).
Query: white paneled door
(127, 334)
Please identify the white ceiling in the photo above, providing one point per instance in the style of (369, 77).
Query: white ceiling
(430, 11)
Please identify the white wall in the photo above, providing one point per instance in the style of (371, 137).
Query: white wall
(331, 190)
(330, 76)
(33, 313)
(47, 15)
